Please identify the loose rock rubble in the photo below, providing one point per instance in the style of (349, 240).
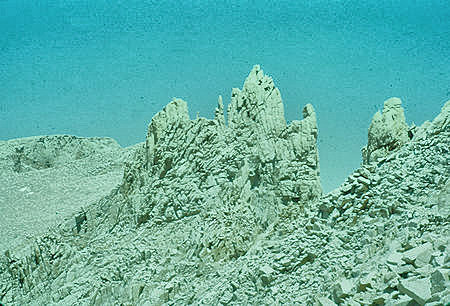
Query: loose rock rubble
(214, 213)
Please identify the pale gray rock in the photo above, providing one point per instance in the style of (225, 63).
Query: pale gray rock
(418, 289)
(214, 212)
(419, 256)
(267, 274)
(324, 301)
(394, 258)
(342, 289)
(387, 132)
(257, 105)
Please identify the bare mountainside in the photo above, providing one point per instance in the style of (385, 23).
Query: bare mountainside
(232, 212)
(46, 179)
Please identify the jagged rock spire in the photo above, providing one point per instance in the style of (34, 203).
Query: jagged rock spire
(252, 167)
(257, 104)
(218, 113)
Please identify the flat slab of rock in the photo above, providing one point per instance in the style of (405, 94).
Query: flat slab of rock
(419, 256)
(418, 289)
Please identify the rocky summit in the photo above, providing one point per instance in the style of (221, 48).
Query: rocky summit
(230, 211)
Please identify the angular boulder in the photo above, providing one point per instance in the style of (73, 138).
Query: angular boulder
(418, 289)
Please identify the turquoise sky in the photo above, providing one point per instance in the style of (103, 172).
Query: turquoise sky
(104, 68)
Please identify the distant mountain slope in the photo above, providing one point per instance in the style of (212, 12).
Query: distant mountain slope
(45, 179)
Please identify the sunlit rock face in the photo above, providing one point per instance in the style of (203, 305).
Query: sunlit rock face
(230, 211)
(244, 171)
(388, 131)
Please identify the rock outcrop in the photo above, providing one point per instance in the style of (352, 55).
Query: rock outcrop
(216, 187)
(387, 133)
(398, 210)
(190, 167)
(256, 140)
(230, 212)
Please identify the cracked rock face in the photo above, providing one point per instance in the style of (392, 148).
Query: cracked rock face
(388, 131)
(230, 212)
(202, 167)
(256, 151)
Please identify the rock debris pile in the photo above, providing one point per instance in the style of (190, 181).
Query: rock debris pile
(232, 212)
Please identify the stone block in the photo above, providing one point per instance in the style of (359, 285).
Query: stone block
(323, 301)
(418, 289)
(394, 258)
(342, 289)
(437, 280)
(267, 274)
(420, 255)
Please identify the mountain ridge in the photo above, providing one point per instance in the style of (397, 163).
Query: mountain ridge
(209, 213)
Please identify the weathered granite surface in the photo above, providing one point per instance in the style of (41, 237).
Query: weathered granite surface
(387, 132)
(231, 212)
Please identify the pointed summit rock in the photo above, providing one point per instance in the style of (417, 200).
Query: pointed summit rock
(218, 113)
(173, 116)
(258, 104)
